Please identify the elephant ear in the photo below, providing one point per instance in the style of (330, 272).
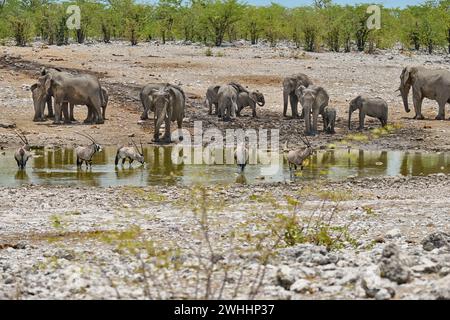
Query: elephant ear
(299, 91)
(405, 76)
(254, 96)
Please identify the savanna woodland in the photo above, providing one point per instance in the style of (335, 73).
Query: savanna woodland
(320, 26)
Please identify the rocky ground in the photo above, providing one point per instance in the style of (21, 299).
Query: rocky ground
(384, 238)
(363, 238)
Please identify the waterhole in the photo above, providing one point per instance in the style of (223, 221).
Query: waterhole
(58, 167)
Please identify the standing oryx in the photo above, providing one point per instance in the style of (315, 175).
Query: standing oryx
(130, 153)
(23, 153)
(85, 154)
(297, 157)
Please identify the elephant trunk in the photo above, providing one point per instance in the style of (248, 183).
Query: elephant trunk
(404, 90)
(285, 101)
(350, 118)
(161, 117)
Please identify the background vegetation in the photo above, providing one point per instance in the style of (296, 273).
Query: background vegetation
(322, 25)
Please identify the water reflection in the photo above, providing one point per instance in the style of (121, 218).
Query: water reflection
(59, 167)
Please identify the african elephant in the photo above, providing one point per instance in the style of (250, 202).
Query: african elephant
(227, 102)
(314, 100)
(147, 97)
(212, 98)
(37, 92)
(290, 84)
(425, 83)
(250, 99)
(329, 119)
(91, 117)
(169, 105)
(372, 107)
(81, 89)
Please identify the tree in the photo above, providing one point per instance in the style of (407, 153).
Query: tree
(221, 15)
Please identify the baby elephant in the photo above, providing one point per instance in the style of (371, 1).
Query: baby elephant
(329, 119)
(372, 107)
(250, 99)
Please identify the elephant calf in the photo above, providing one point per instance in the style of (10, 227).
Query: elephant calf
(372, 107)
(329, 119)
(212, 98)
(250, 99)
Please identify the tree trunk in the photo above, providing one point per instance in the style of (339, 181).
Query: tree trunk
(80, 36)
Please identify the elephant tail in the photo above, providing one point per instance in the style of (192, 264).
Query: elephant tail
(102, 98)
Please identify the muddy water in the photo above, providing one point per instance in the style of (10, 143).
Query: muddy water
(58, 167)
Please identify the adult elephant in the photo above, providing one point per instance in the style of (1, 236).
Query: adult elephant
(314, 99)
(425, 83)
(146, 96)
(227, 98)
(92, 116)
(73, 89)
(290, 84)
(169, 105)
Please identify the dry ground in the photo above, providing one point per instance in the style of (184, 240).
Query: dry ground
(124, 69)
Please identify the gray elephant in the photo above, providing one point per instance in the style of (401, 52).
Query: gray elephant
(91, 117)
(329, 119)
(66, 89)
(431, 84)
(227, 100)
(314, 100)
(147, 97)
(290, 84)
(169, 105)
(212, 98)
(250, 99)
(372, 107)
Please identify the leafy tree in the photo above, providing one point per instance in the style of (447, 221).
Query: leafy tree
(221, 15)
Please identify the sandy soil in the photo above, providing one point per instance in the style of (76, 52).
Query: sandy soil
(124, 69)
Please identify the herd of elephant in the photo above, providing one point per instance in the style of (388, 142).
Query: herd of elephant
(168, 101)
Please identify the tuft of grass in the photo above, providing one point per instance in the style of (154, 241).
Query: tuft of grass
(208, 52)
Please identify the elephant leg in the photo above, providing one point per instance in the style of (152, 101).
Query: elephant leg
(362, 115)
(72, 118)
(166, 137)
(441, 114)
(98, 115)
(123, 161)
(58, 106)
(156, 133)
(49, 107)
(90, 116)
(285, 102)
(65, 110)
(144, 115)
(418, 108)
(325, 123)
(294, 105)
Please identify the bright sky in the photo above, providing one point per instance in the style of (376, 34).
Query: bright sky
(294, 3)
